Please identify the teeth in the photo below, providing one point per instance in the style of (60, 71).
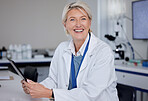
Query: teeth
(78, 30)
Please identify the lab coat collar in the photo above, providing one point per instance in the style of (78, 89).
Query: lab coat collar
(93, 42)
(81, 50)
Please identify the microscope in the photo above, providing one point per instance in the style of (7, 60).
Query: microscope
(122, 48)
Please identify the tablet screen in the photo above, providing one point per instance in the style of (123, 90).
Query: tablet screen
(17, 70)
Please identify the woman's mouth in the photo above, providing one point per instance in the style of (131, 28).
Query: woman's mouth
(78, 30)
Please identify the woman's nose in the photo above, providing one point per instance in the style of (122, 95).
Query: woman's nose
(78, 23)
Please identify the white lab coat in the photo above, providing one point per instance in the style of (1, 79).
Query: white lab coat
(96, 80)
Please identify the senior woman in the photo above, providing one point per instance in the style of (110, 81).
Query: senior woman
(82, 69)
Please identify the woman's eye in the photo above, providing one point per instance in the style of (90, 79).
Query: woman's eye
(83, 18)
(72, 19)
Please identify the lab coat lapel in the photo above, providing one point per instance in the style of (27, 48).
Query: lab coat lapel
(84, 63)
(89, 53)
(67, 61)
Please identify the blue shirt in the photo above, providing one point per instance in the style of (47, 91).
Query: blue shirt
(77, 60)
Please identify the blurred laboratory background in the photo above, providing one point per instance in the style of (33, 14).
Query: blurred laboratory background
(30, 31)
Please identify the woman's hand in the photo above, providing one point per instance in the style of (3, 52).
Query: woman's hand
(36, 90)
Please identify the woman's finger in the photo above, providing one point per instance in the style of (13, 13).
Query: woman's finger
(30, 81)
(26, 90)
(23, 86)
(22, 81)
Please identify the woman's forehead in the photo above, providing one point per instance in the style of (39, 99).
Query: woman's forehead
(73, 12)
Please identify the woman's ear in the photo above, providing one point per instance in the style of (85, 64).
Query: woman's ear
(64, 23)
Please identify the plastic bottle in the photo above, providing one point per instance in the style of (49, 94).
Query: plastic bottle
(29, 51)
(14, 53)
(24, 51)
(10, 51)
(19, 52)
(4, 52)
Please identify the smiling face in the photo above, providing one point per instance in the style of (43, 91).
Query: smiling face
(77, 24)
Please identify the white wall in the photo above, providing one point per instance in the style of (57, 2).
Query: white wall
(37, 22)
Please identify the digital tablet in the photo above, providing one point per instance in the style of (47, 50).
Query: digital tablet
(18, 71)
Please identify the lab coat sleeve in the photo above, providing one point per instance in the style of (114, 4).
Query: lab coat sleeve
(51, 81)
(100, 83)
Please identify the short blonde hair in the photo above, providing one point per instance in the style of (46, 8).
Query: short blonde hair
(78, 5)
